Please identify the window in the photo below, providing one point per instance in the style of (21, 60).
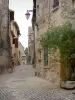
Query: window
(73, 1)
(16, 42)
(13, 41)
(56, 3)
(45, 56)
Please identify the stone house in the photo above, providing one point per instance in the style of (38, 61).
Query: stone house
(49, 14)
(31, 44)
(21, 55)
(4, 33)
(14, 37)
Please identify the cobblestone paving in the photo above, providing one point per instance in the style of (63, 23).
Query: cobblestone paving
(23, 85)
(6, 94)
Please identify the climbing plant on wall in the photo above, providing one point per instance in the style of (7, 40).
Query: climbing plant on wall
(61, 37)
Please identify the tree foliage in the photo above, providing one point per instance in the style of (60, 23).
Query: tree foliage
(62, 37)
(26, 51)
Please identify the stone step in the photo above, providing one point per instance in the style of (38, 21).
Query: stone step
(67, 85)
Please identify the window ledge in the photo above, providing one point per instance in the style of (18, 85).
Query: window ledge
(55, 8)
(46, 67)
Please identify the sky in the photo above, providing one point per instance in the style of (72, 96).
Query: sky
(20, 7)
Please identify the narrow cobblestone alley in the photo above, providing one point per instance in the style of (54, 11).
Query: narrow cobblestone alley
(23, 85)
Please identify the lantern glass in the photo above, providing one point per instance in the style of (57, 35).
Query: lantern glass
(27, 16)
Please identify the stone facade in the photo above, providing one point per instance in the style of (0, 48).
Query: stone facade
(21, 55)
(4, 32)
(49, 15)
(31, 44)
(14, 37)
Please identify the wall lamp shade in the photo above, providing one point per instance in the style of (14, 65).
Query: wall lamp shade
(27, 15)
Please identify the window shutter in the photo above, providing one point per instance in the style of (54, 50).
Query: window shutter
(16, 42)
(56, 3)
(13, 41)
(11, 15)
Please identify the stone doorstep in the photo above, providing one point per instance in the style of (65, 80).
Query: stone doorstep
(70, 83)
(67, 84)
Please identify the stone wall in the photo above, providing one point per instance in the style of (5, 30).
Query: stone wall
(4, 32)
(14, 51)
(31, 44)
(48, 17)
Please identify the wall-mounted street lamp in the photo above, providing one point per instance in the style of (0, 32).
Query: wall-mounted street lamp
(28, 14)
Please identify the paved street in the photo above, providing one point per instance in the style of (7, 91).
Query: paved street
(23, 85)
